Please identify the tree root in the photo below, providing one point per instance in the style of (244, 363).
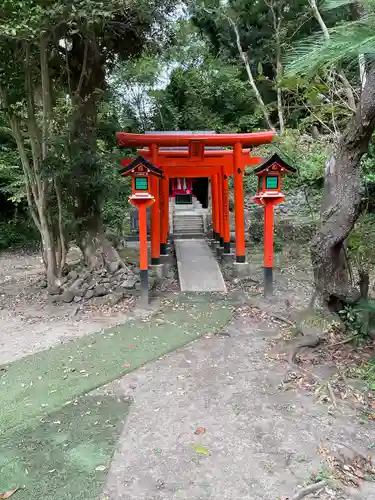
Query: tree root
(332, 394)
(312, 488)
(283, 319)
(309, 341)
(342, 342)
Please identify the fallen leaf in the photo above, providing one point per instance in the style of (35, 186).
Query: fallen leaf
(201, 450)
(9, 493)
(126, 365)
(199, 431)
(100, 468)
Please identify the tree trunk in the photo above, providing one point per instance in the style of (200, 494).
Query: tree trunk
(253, 85)
(341, 200)
(87, 76)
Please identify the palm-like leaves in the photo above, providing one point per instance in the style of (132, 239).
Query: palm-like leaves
(347, 41)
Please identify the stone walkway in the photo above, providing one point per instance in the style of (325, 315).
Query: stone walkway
(260, 442)
(197, 267)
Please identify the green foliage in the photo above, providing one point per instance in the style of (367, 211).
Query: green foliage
(347, 40)
(361, 242)
(208, 96)
(18, 234)
(366, 372)
(353, 321)
(301, 151)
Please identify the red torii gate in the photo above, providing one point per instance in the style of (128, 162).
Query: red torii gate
(196, 162)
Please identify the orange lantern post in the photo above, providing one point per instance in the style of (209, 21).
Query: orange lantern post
(142, 172)
(268, 195)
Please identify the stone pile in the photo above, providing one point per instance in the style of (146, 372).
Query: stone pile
(81, 286)
(295, 219)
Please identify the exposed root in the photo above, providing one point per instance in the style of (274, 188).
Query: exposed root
(309, 341)
(332, 394)
(342, 342)
(283, 319)
(312, 488)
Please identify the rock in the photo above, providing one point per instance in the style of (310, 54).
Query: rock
(68, 296)
(73, 275)
(105, 280)
(120, 272)
(56, 299)
(43, 283)
(89, 294)
(77, 298)
(77, 283)
(54, 290)
(129, 282)
(113, 266)
(100, 291)
(78, 293)
(151, 283)
(108, 300)
(89, 279)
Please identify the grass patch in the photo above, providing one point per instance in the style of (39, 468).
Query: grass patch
(67, 455)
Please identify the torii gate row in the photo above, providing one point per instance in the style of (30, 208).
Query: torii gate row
(196, 161)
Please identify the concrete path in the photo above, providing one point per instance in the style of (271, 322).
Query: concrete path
(260, 441)
(198, 270)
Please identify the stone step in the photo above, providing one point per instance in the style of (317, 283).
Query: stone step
(188, 236)
(188, 221)
(188, 227)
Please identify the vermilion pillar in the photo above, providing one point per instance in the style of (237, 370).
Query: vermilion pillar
(226, 221)
(164, 212)
(221, 211)
(155, 211)
(268, 245)
(143, 259)
(239, 206)
(215, 207)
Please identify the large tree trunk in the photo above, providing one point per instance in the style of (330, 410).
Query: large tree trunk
(342, 198)
(88, 84)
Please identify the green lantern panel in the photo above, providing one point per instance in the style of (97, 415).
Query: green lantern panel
(141, 183)
(272, 182)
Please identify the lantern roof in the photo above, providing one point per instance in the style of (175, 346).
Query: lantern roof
(141, 164)
(275, 159)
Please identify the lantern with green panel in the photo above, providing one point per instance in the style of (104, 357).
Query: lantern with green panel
(270, 175)
(269, 194)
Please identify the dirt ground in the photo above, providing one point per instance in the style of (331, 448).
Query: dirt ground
(260, 440)
(30, 322)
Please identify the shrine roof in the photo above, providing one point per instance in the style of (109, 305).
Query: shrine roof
(185, 132)
(183, 138)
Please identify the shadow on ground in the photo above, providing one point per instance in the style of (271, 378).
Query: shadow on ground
(67, 455)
